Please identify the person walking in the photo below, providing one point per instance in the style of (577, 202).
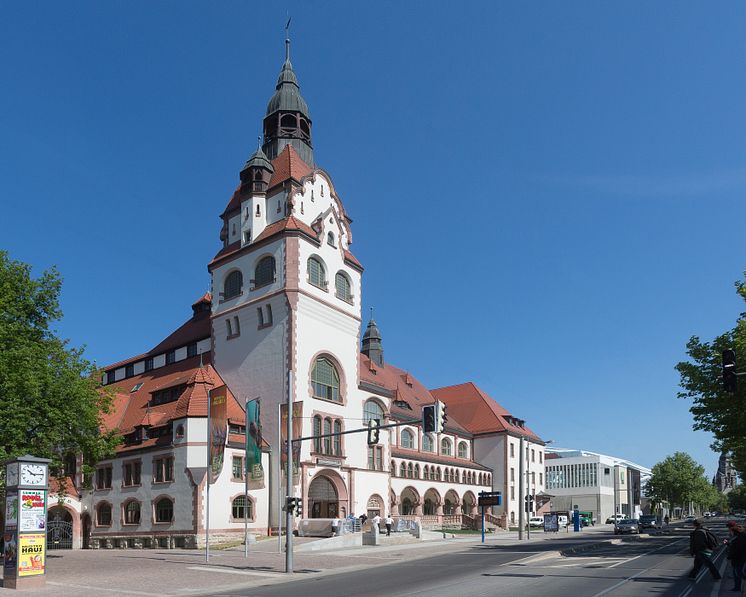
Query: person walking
(389, 522)
(701, 544)
(737, 555)
(377, 521)
(335, 526)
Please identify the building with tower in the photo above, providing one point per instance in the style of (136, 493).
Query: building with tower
(283, 319)
(726, 477)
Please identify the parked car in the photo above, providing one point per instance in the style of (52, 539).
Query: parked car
(614, 518)
(690, 519)
(649, 521)
(586, 518)
(628, 525)
(707, 515)
(536, 521)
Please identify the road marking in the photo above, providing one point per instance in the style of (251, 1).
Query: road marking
(98, 589)
(648, 552)
(242, 572)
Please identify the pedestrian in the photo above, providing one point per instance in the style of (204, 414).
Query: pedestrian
(389, 522)
(377, 521)
(666, 519)
(335, 526)
(737, 554)
(701, 544)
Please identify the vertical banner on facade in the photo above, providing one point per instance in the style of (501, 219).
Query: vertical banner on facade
(297, 429)
(218, 430)
(32, 510)
(31, 552)
(253, 438)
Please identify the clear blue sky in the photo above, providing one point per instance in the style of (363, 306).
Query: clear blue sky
(547, 196)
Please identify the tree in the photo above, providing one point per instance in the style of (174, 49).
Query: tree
(721, 413)
(50, 400)
(678, 481)
(737, 499)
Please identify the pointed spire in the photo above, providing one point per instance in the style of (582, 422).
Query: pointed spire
(372, 345)
(287, 39)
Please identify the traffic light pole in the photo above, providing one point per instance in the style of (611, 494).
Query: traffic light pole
(289, 481)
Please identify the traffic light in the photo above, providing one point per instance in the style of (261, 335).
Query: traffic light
(373, 432)
(294, 505)
(729, 370)
(529, 500)
(441, 416)
(428, 418)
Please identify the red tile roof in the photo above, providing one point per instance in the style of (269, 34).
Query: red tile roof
(352, 260)
(405, 387)
(70, 490)
(131, 409)
(397, 452)
(477, 411)
(291, 223)
(288, 165)
(235, 202)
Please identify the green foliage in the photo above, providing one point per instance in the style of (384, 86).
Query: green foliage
(50, 400)
(678, 480)
(721, 413)
(737, 499)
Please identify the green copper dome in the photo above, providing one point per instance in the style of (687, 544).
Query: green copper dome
(287, 98)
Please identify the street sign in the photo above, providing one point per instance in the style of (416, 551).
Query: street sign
(490, 498)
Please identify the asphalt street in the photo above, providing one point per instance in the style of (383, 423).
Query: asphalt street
(622, 567)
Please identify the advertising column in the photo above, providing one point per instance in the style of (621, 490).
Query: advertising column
(25, 533)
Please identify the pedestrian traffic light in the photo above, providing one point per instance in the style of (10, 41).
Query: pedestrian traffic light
(529, 500)
(729, 370)
(428, 418)
(441, 416)
(298, 507)
(294, 505)
(373, 432)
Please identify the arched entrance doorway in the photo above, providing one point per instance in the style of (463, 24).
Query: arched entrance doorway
(408, 502)
(450, 503)
(431, 503)
(375, 506)
(468, 504)
(59, 528)
(323, 499)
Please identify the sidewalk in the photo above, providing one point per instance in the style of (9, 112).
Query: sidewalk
(176, 572)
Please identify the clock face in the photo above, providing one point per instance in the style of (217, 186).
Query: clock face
(11, 475)
(33, 474)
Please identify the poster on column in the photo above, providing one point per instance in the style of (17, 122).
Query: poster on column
(31, 554)
(218, 430)
(10, 535)
(253, 438)
(31, 510)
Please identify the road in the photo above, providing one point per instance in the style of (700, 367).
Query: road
(625, 567)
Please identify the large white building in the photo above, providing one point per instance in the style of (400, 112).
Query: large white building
(587, 480)
(284, 320)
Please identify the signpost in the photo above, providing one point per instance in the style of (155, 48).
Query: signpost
(487, 499)
(25, 532)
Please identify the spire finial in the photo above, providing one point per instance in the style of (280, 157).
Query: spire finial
(258, 142)
(287, 39)
(371, 312)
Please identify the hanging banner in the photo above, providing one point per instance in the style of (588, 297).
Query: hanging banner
(297, 429)
(253, 438)
(31, 554)
(32, 510)
(218, 431)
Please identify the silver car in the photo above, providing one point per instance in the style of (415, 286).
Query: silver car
(628, 525)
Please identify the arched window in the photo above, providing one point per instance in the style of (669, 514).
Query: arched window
(317, 432)
(325, 380)
(407, 439)
(232, 285)
(458, 476)
(241, 508)
(392, 468)
(447, 475)
(426, 473)
(316, 272)
(410, 471)
(403, 470)
(416, 471)
(164, 510)
(132, 512)
(103, 514)
(462, 450)
(327, 440)
(265, 271)
(288, 121)
(427, 443)
(372, 410)
(445, 446)
(343, 287)
(438, 475)
(337, 438)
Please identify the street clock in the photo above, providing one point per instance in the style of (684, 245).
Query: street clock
(33, 474)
